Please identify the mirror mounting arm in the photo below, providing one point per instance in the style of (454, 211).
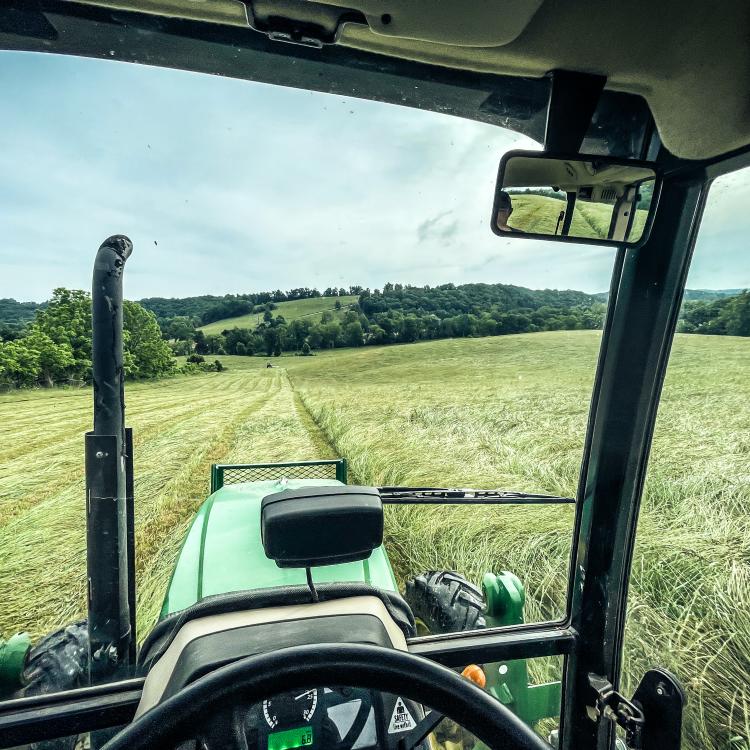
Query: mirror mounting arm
(572, 103)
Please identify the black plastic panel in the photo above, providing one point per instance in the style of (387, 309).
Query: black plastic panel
(312, 526)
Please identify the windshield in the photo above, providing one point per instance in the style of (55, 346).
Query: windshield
(313, 278)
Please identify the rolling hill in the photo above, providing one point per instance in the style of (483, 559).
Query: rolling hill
(300, 308)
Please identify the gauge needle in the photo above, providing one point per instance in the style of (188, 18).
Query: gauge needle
(302, 695)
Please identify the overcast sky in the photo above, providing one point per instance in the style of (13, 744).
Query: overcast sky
(228, 186)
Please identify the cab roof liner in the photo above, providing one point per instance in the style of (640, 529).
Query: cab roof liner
(619, 126)
(687, 59)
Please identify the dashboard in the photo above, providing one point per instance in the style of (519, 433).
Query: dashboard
(329, 718)
(323, 718)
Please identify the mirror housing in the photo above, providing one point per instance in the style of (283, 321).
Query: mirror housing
(596, 200)
(312, 526)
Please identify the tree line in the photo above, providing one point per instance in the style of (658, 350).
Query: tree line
(729, 316)
(403, 314)
(56, 346)
(400, 314)
(208, 308)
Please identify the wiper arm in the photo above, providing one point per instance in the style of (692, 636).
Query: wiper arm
(456, 496)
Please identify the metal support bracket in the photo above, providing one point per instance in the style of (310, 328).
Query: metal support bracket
(572, 103)
(652, 720)
(615, 707)
(661, 698)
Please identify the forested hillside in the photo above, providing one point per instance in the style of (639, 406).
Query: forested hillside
(55, 346)
(403, 314)
(727, 316)
(209, 308)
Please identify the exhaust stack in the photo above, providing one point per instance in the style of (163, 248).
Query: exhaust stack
(109, 501)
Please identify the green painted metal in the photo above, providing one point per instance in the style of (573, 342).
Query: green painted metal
(222, 474)
(12, 659)
(508, 681)
(342, 471)
(222, 551)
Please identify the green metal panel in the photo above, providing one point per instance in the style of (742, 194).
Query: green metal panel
(223, 552)
(508, 681)
(12, 660)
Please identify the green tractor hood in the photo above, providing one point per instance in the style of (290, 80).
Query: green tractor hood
(223, 552)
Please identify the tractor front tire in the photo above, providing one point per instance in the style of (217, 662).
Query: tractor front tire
(445, 602)
(58, 662)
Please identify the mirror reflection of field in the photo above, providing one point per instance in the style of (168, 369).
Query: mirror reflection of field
(538, 214)
(504, 412)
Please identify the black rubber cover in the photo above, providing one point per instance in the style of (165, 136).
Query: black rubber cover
(302, 667)
(311, 526)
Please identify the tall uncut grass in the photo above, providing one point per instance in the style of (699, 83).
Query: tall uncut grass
(506, 412)
(511, 412)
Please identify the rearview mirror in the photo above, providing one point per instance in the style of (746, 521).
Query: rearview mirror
(590, 199)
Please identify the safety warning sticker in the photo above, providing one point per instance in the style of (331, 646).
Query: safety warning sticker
(402, 720)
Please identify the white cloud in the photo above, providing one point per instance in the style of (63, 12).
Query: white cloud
(246, 187)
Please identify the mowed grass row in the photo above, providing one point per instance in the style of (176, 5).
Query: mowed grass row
(511, 412)
(465, 413)
(181, 426)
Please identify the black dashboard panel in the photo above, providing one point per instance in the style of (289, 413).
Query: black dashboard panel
(319, 718)
(336, 718)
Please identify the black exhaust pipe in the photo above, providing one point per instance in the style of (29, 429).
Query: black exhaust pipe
(109, 516)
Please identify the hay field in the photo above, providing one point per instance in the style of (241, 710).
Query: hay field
(538, 214)
(511, 412)
(181, 426)
(496, 412)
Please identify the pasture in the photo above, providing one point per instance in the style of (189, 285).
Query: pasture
(313, 308)
(506, 412)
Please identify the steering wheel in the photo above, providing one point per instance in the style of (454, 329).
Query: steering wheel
(255, 678)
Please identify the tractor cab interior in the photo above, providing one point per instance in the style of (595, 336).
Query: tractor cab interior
(214, 671)
(291, 617)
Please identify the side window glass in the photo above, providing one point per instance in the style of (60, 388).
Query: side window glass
(689, 607)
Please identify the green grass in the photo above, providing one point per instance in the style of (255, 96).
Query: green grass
(538, 214)
(300, 308)
(496, 412)
(181, 425)
(511, 412)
